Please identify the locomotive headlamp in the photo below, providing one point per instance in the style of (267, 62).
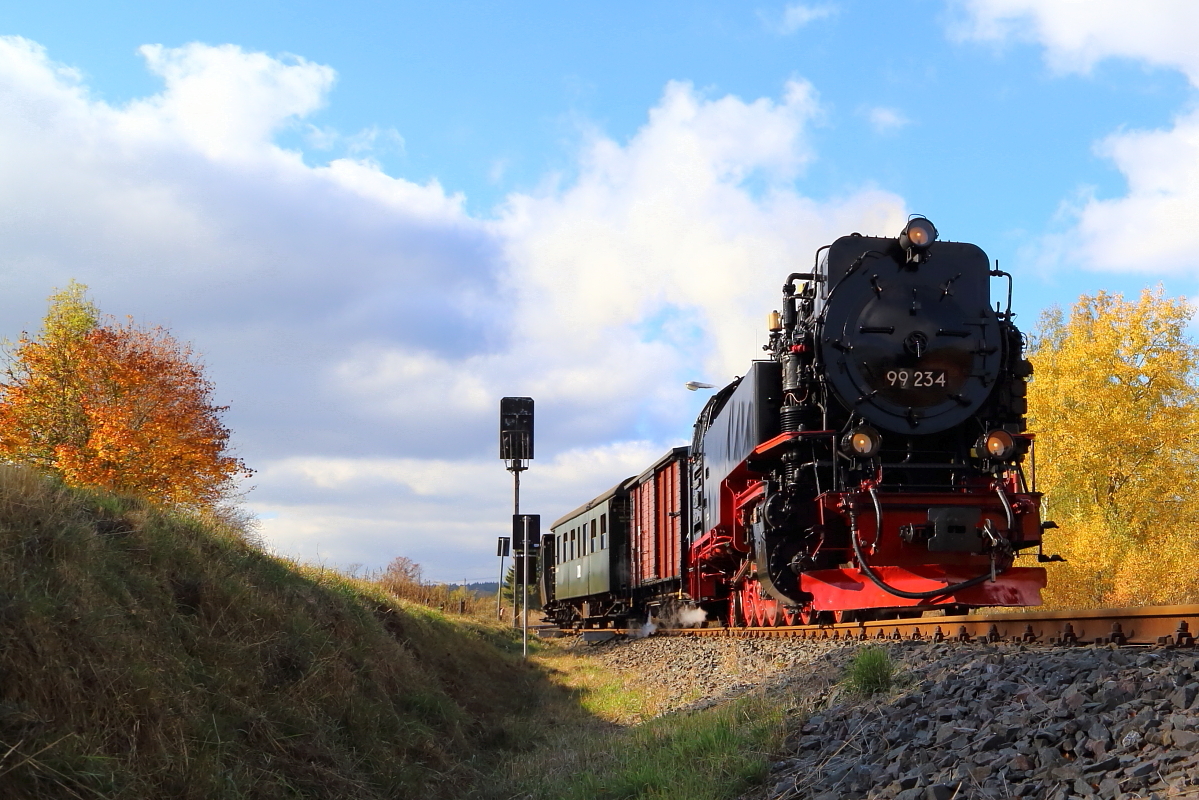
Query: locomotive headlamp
(918, 234)
(998, 444)
(863, 442)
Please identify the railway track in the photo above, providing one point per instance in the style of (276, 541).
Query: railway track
(1159, 626)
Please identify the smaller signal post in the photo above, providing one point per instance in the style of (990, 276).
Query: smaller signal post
(501, 550)
(516, 448)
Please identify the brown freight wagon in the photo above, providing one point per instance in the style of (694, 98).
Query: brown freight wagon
(657, 523)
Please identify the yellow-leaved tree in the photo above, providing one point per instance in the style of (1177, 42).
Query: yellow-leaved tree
(1114, 405)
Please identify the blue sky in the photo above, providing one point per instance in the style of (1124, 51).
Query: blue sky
(982, 136)
(377, 218)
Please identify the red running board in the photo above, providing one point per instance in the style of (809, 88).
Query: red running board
(846, 589)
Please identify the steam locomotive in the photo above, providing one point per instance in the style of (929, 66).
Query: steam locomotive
(871, 467)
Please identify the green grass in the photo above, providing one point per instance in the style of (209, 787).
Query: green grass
(871, 671)
(707, 755)
(714, 754)
(145, 654)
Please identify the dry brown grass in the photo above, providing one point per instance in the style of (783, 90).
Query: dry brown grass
(402, 578)
(145, 655)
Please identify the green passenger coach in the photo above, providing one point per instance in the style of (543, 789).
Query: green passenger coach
(590, 547)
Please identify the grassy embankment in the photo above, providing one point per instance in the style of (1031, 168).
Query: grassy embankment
(147, 655)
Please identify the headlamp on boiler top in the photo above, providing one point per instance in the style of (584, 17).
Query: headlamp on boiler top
(916, 238)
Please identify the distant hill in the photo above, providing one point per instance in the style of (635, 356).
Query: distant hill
(480, 589)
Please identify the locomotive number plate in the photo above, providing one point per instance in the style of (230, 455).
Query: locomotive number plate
(916, 378)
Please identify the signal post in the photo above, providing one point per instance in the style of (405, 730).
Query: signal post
(516, 448)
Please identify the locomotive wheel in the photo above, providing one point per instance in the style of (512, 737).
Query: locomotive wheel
(743, 608)
(754, 608)
(736, 610)
(750, 605)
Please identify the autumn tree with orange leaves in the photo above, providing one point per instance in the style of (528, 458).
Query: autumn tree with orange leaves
(116, 406)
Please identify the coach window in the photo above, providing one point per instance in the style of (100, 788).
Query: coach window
(603, 531)
(594, 533)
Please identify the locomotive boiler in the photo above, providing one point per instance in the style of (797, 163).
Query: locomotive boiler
(872, 465)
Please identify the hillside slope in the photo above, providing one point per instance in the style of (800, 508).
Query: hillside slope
(145, 655)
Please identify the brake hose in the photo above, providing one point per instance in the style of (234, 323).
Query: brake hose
(886, 587)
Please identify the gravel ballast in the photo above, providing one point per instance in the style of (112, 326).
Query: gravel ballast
(965, 720)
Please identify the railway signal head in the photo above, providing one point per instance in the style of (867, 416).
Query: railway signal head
(516, 428)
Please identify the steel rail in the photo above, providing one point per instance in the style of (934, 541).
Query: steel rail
(1161, 626)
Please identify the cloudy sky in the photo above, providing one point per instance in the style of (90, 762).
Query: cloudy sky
(374, 220)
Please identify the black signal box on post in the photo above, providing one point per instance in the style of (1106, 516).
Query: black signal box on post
(519, 521)
(526, 527)
(516, 428)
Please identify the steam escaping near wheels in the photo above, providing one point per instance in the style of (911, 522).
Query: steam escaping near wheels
(673, 617)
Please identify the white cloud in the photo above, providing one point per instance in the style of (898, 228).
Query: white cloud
(666, 225)
(1077, 34)
(440, 512)
(797, 15)
(886, 120)
(363, 327)
(1151, 228)
(223, 101)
